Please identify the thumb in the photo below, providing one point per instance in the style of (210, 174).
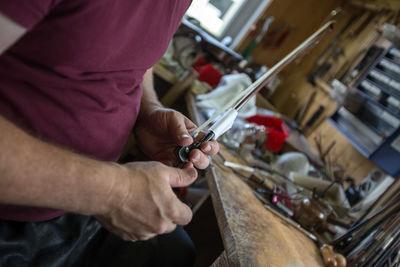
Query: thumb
(182, 177)
(179, 130)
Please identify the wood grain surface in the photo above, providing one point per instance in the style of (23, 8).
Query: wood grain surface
(252, 235)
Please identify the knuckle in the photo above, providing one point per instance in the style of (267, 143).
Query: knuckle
(190, 217)
(179, 176)
(160, 228)
(204, 163)
(171, 229)
(187, 218)
(172, 213)
(175, 114)
(159, 169)
(158, 165)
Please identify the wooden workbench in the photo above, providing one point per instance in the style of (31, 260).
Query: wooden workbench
(251, 235)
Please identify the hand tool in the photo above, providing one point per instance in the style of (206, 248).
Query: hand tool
(249, 49)
(313, 118)
(362, 230)
(330, 257)
(381, 242)
(259, 176)
(226, 116)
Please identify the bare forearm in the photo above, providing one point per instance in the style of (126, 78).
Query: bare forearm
(36, 173)
(39, 174)
(149, 98)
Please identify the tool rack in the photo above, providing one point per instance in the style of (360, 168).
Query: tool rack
(374, 130)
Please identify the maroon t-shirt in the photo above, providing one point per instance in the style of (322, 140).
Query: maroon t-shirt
(74, 78)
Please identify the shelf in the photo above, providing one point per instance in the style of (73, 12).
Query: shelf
(378, 103)
(370, 89)
(378, 119)
(364, 151)
(389, 68)
(384, 87)
(395, 52)
(375, 129)
(393, 78)
(377, 5)
(359, 135)
(391, 60)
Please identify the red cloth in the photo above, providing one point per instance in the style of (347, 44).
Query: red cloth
(207, 72)
(74, 78)
(276, 129)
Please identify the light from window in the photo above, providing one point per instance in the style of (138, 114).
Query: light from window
(214, 15)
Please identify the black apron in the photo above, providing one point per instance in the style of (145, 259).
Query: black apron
(77, 240)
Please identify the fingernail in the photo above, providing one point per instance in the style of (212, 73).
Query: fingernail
(191, 172)
(207, 148)
(196, 157)
(183, 136)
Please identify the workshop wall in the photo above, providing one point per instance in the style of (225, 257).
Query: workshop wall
(343, 153)
(297, 20)
(356, 29)
(293, 22)
(355, 41)
(377, 4)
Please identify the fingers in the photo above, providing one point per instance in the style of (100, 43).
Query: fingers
(117, 231)
(187, 165)
(180, 213)
(189, 124)
(127, 235)
(175, 210)
(183, 139)
(199, 158)
(150, 208)
(182, 177)
(171, 228)
(133, 237)
(210, 148)
(180, 126)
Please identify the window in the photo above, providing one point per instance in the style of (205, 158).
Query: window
(227, 17)
(214, 15)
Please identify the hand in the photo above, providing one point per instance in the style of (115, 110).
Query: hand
(141, 203)
(162, 130)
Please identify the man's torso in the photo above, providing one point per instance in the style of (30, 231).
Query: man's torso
(74, 78)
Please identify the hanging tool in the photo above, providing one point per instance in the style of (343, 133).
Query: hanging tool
(315, 116)
(283, 36)
(249, 49)
(230, 110)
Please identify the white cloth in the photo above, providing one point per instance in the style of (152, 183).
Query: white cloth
(229, 86)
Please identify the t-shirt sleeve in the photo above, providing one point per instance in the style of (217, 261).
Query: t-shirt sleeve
(27, 13)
